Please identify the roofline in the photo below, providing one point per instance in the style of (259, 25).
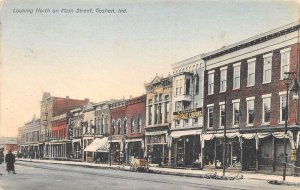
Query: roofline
(252, 39)
(188, 60)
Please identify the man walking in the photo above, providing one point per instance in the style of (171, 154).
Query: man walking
(10, 162)
(1, 157)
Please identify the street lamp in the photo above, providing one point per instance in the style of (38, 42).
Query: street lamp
(294, 91)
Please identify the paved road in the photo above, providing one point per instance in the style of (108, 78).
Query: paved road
(37, 176)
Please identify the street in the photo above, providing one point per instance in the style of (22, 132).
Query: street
(40, 176)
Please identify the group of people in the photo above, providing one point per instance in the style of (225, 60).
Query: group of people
(9, 160)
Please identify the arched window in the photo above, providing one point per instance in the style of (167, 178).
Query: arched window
(140, 124)
(132, 125)
(113, 124)
(196, 84)
(119, 127)
(125, 126)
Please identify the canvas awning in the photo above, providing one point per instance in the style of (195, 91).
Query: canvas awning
(177, 134)
(98, 145)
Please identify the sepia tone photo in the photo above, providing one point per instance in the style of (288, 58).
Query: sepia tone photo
(162, 94)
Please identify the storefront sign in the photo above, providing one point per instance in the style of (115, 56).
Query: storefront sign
(155, 133)
(186, 114)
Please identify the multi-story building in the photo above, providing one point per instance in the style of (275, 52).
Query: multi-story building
(50, 107)
(245, 92)
(75, 123)
(133, 125)
(187, 103)
(158, 119)
(117, 135)
(29, 142)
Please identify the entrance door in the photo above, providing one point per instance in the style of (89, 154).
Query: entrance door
(249, 154)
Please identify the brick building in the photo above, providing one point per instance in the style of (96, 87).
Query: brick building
(245, 92)
(117, 135)
(50, 107)
(158, 119)
(134, 127)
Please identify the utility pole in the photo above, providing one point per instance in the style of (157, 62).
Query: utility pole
(224, 140)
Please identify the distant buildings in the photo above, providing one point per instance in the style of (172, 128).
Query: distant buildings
(9, 143)
(180, 120)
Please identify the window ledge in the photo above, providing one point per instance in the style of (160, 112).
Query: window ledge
(268, 82)
(250, 125)
(265, 123)
(250, 85)
(236, 88)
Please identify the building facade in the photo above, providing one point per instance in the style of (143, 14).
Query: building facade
(158, 119)
(29, 142)
(133, 125)
(245, 92)
(50, 107)
(187, 119)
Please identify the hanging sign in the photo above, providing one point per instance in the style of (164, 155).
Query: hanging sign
(186, 114)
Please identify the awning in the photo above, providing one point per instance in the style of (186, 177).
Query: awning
(134, 140)
(177, 134)
(98, 145)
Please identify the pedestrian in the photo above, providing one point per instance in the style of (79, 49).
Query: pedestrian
(10, 162)
(1, 157)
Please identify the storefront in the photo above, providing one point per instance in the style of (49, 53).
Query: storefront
(77, 149)
(157, 149)
(117, 149)
(186, 149)
(134, 149)
(97, 151)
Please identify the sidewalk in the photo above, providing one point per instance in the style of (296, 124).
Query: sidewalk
(173, 171)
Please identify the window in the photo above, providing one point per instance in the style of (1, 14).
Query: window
(102, 124)
(140, 124)
(210, 83)
(167, 112)
(160, 97)
(282, 107)
(180, 86)
(223, 79)
(150, 115)
(159, 113)
(236, 112)
(119, 127)
(267, 73)
(266, 110)
(236, 75)
(155, 114)
(156, 98)
(210, 116)
(132, 125)
(167, 97)
(125, 126)
(196, 85)
(113, 127)
(251, 72)
(187, 86)
(177, 87)
(285, 62)
(250, 111)
(222, 115)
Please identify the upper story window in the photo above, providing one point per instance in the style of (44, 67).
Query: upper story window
(285, 62)
(156, 98)
(160, 97)
(211, 75)
(250, 111)
(236, 112)
(150, 115)
(266, 109)
(267, 72)
(236, 75)
(125, 126)
(196, 84)
(251, 72)
(119, 127)
(167, 97)
(282, 106)
(210, 116)
(223, 79)
(132, 125)
(113, 123)
(222, 114)
(187, 86)
(140, 124)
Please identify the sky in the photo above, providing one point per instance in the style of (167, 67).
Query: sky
(104, 56)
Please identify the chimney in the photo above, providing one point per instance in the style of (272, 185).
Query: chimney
(86, 99)
(67, 97)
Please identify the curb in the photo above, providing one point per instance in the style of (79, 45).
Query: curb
(121, 168)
